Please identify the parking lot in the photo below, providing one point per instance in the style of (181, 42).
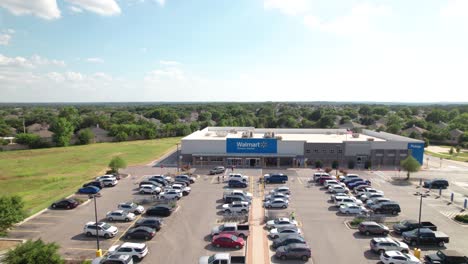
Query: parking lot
(184, 236)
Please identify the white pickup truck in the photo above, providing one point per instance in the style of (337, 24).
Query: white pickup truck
(224, 258)
(231, 228)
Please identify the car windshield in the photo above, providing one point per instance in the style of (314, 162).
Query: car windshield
(440, 255)
(106, 226)
(211, 259)
(404, 222)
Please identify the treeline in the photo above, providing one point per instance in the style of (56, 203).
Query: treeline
(129, 122)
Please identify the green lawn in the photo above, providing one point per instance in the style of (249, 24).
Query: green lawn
(462, 156)
(41, 176)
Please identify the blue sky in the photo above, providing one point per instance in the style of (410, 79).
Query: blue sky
(233, 50)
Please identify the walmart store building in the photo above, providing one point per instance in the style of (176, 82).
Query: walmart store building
(256, 148)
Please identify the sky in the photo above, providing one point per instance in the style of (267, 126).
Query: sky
(233, 50)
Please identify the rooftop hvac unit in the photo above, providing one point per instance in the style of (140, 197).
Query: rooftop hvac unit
(370, 139)
(247, 134)
(207, 134)
(221, 133)
(355, 135)
(268, 135)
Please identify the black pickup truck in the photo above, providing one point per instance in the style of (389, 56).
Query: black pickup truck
(426, 237)
(408, 225)
(446, 257)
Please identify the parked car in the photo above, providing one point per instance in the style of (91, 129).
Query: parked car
(236, 207)
(425, 236)
(377, 200)
(287, 240)
(227, 241)
(185, 190)
(366, 197)
(337, 196)
(360, 189)
(373, 228)
(381, 245)
(217, 170)
(293, 251)
(436, 184)
(120, 215)
(98, 184)
(387, 208)
(185, 178)
(222, 258)
(170, 194)
(109, 182)
(349, 177)
(231, 228)
(317, 176)
(89, 190)
(163, 182)
(235, 198)
(347, 200)
(351, 180)
(161, 177)
(322, 179)
(275, 178)
(237, 184)
(101, 229)
(276, 203)
(396, 257)
(285, 230)
(238, 176)
(141, 232)
(113, 259)
(446, 257)
(275, 196)
(281, 189)
(338, 189)
(281, 222)
(137, 250)
(131, 207)
(353, 209)
(152, 222)
(359, 183)
(409, 225)
(65, 204)
(327, 183)
(149, 189)
(148, 182)
(241, 193)
(159, 210)
(107, 176)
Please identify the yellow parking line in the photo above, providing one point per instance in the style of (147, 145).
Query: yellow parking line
(25, 231)
(51, 216)
(87, 249)
(118, 239)
(299, 179)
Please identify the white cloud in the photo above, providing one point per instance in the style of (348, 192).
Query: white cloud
(455, 8)
(169, 63)
(75, 9)
(95, 60)
(358, 21)
(38, 60)
(33, 62)
(165, 74)
(288, 7)
(46, 9)
(101, 7)
(5, 39)
(161, 2)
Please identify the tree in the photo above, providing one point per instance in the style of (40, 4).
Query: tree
(36, 252)
(437, 115)
(457, 148)
(71, 114)
(451, 151)
(318, 164)
(11, 211)
(85, 136)
(117, 163)
(31, 140)
(365, 110)
(63, 131)
(121, 136)
(410, 164)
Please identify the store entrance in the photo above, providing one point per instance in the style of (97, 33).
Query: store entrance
(253, 162)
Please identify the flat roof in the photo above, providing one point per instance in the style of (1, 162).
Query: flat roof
(303, 135)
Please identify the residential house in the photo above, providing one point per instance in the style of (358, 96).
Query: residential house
(100, 135)
(351, 125)
(42, 130)
(455, 135)
(414, 129)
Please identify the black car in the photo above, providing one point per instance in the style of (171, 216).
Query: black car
(436, 184)
(151, 222)
(237, 184)
(368, 228)
(98, 184)
(65, 204)
(387, 208)
(234, 198)
(446, 257)
(159, 180)
(288, 239)
(159, 210)
(141, 232)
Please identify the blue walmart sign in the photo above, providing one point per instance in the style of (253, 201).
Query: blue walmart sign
(417, 151)
(251, 145)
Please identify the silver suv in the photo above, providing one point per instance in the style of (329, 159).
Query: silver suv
(102, 229)
(380, 245)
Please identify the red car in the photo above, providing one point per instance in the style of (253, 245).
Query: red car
(227, 241)
(323, 179)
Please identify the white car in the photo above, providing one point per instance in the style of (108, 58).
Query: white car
(102, 229)
(161, 177)
(184, 189)
(280, 222)
(281, 189)
(347, 200)
(236, 207)
(246, 195)
(366, 197)
(109, 182)
(349, 177)
(276, 203)
(338, 189)
(276, 195)
(376, 200)
(369, 191)
(148, 188)
(120, 215)
(337, 196)
(171, 194)
(276, 232)
(353, 209)
(107, 176)
(396, 257)
(131, 207)
(136, 250)
(239, 177)
(327, 183)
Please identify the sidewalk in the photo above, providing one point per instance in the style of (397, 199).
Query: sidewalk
(258, 246)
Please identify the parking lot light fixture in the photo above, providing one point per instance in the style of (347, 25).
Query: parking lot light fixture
(98, 249)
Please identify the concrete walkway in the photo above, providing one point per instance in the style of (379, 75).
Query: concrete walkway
(258, 245)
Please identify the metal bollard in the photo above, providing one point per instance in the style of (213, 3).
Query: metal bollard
(465, 204)
(440, 191)
(451, 197)
(417, 253)
(420, 181)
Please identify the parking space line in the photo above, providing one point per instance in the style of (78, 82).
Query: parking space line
(87, 249)
(53, 216)
(299, 179)
(126, 229)
(39, 223)
(25, 231)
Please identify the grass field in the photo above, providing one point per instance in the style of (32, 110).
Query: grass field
(42, 176)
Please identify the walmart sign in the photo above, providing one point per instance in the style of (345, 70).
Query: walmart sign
(251, 145)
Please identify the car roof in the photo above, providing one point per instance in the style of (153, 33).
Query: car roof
(382, 239)
(283, 219)
(298, 245)
(278, 199)
(288, 236)
(133, 245)
(146, 228)
(370, 223)
(161, 205)
(223, 235)
(452, 253)
(117, 211)
(393, 253)
(118, 257)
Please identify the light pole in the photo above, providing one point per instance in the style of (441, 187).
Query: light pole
(421, 196)
(98, 250)
(177, 157)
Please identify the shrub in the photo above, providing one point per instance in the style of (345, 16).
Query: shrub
(356, 221)
(11, 211)
(462, 218)
(36, 252)
(85, 136)
(335, 164)
(318, 164)
(328, 169)
(31, 140)
(117, 163)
